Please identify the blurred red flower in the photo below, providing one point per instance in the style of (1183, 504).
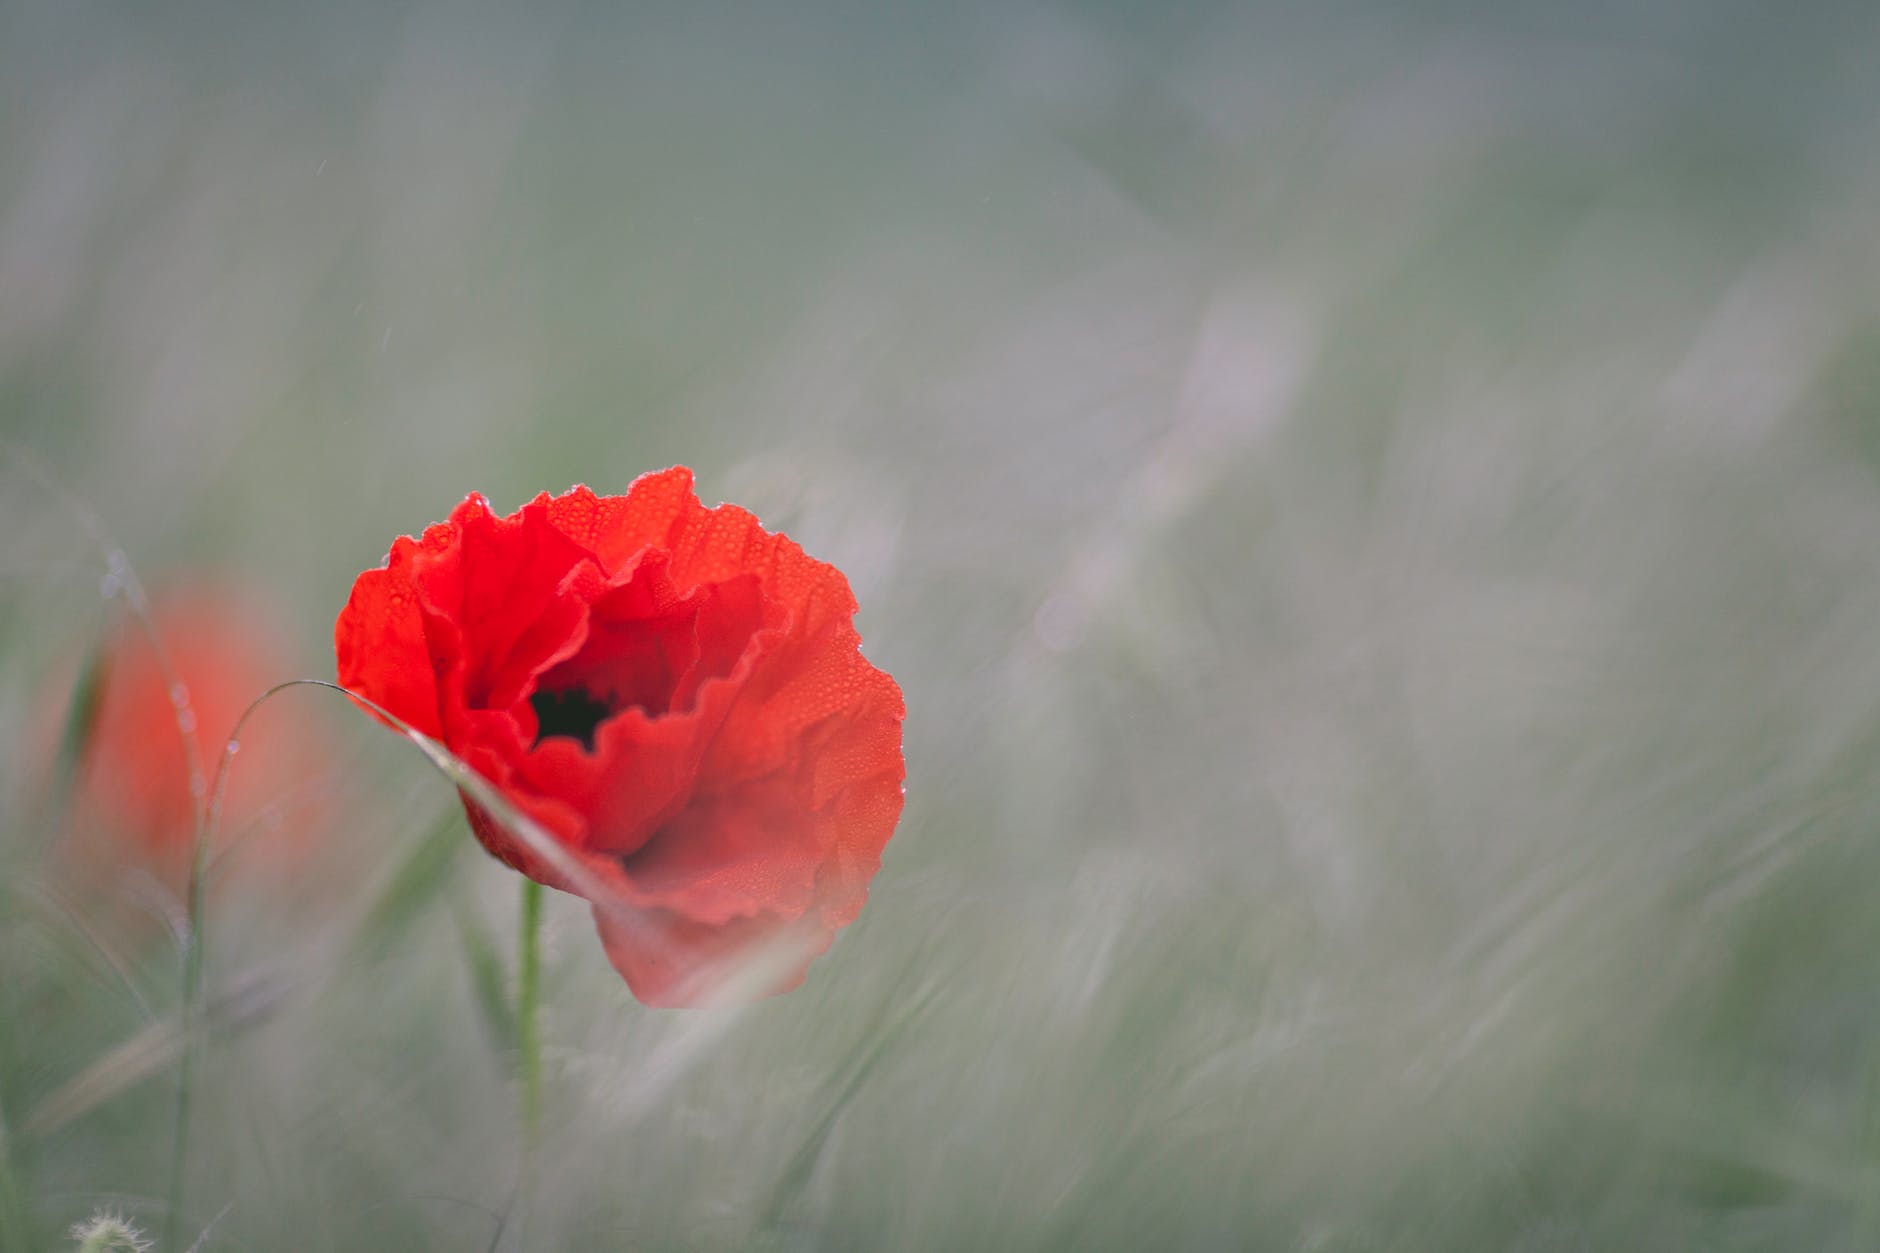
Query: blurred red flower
(676, 695)
(133, 789)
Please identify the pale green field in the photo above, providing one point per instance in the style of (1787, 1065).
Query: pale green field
(1374, 512)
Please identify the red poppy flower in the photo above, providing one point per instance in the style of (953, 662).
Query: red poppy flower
(133, 791)
(676, 695)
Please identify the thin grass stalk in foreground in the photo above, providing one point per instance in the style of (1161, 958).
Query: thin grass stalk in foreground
(192, 984)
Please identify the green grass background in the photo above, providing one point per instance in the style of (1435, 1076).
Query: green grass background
(1373, 508)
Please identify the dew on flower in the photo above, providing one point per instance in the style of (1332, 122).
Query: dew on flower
(730, 794)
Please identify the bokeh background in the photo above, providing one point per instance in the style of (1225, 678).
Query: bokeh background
(1373, 507)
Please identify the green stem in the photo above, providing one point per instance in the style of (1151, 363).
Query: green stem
(186, 1063)
(528, 1010)
(208, 808)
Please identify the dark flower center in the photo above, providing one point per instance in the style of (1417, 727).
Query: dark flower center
(574, 713)
(647, 648)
